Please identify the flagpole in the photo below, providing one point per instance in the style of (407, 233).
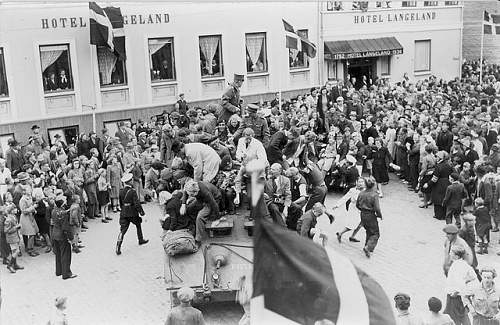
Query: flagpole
(481, 56)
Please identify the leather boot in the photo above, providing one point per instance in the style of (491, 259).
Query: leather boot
(140, 237)
(485, 248)
(119, 244)
(17, 266)
(10, 266)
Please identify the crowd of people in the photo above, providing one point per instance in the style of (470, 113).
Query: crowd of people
(440, 137)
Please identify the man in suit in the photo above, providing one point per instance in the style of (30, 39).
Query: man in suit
(63, 80)
(131, 212)
(278, 195)
(491, 135)
(122, 134)
(165, 71)
(181, 105)
(230, 101)
(14, 157)
(51, 82)
(484, 189)
(455, 193)
(444, 139)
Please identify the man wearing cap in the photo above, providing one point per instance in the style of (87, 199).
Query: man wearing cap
(256, 123)
(184, 313)
(181, 105)
(131, 212)
(14, 158)
(230, 101)
(453, 241)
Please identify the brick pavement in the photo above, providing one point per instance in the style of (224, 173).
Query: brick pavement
(129, 289)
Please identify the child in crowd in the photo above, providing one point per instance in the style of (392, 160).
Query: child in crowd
(468, 181)
(455, 193)
(436, 317)
(102, 193)
(328, 155)
(483, 225)
(75, 221)
(11, 230)
(59, 315)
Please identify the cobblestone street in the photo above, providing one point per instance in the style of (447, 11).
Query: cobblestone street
(130, 289)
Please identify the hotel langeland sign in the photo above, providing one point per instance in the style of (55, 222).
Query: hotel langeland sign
(75, 22)
(395, 17)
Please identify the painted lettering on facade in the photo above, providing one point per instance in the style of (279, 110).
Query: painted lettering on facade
(394, 17)
(79, 22)
(366, 54)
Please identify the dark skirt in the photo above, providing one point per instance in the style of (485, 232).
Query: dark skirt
(455, 308)
(482, 229)
(4, 247)
(43, 225)
(380, 173)
(103, 197)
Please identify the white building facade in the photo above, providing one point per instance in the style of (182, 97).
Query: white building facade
(50, 75)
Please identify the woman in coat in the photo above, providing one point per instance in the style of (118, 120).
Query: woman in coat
(29, 228)
(440, 181)
(114, 175)
(381, 159)
(90, 187)
(322, 107)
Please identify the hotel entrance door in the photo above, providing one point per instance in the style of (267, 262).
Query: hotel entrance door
(357, 68)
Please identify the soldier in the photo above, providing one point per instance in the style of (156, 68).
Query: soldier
(130, 210)
(230, 102)
(256, 123)
(369, 206)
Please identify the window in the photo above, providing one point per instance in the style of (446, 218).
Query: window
(112, 126)
(360, 5)
(161, 59)
(383, 4)
(112, 69)
(211, 56)
(422, 55)
(256, 52)
(430, 3)
(331, 69)
(298, 59)
(385, 65)
(451, 3)
(4, 88)
(69, 134)
(56, 67)
(4, 140)
(334, 6)
(409, 4)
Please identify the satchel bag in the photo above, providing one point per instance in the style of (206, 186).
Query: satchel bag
(179, 242)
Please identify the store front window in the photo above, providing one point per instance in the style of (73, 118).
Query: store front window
(299, 59)
(422, 56)
(385, 65)
(211, 56)
(4, 88)
(256, 53)
(69, 134)
(161, 59)
(112, 69)
(56, 68)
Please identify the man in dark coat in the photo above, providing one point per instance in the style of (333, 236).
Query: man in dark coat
(62, 234)
(14, 157)
(256, 123)
(230, 101)
(455, 193)
(131, 212)
(444, 140)
(275, 148)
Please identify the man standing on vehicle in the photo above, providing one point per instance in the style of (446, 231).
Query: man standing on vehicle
(230, 101)
(131, 212)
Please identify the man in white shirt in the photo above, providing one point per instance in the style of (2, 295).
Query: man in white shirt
(250, 148)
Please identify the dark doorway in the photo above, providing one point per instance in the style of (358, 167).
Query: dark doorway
(358, 68)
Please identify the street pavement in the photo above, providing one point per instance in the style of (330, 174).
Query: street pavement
(130, 289)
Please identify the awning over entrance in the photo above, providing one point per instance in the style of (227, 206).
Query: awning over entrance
(362, 48)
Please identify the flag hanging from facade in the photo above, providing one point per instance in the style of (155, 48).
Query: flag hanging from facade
(296, 281)
(491, 24)
(106, 28)
(295, 42)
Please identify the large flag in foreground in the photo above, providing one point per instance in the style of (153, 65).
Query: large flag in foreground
(296, 281)
(106, 28)
(295, 42)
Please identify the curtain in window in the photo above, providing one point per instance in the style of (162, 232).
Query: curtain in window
(208, 46)
(47, 57)
(107, 61)
(293, 54)
(153, 48)
(254, 48)
(422, 55)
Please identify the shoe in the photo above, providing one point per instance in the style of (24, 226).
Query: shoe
(381, 195)
(104, 221)
(118, 250)
(99, 215)
(91, 217)
(33, 254)
(119, 209)
(354, 240)
(11, 269)
(339, 237)
(85, 227)
(143, 242)
(423, 206)
(115, 210)
(367, 252)
(83, 230)
(495, 229)
(17, 266)
(48, 249)
(109, 218)
(72, 276)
